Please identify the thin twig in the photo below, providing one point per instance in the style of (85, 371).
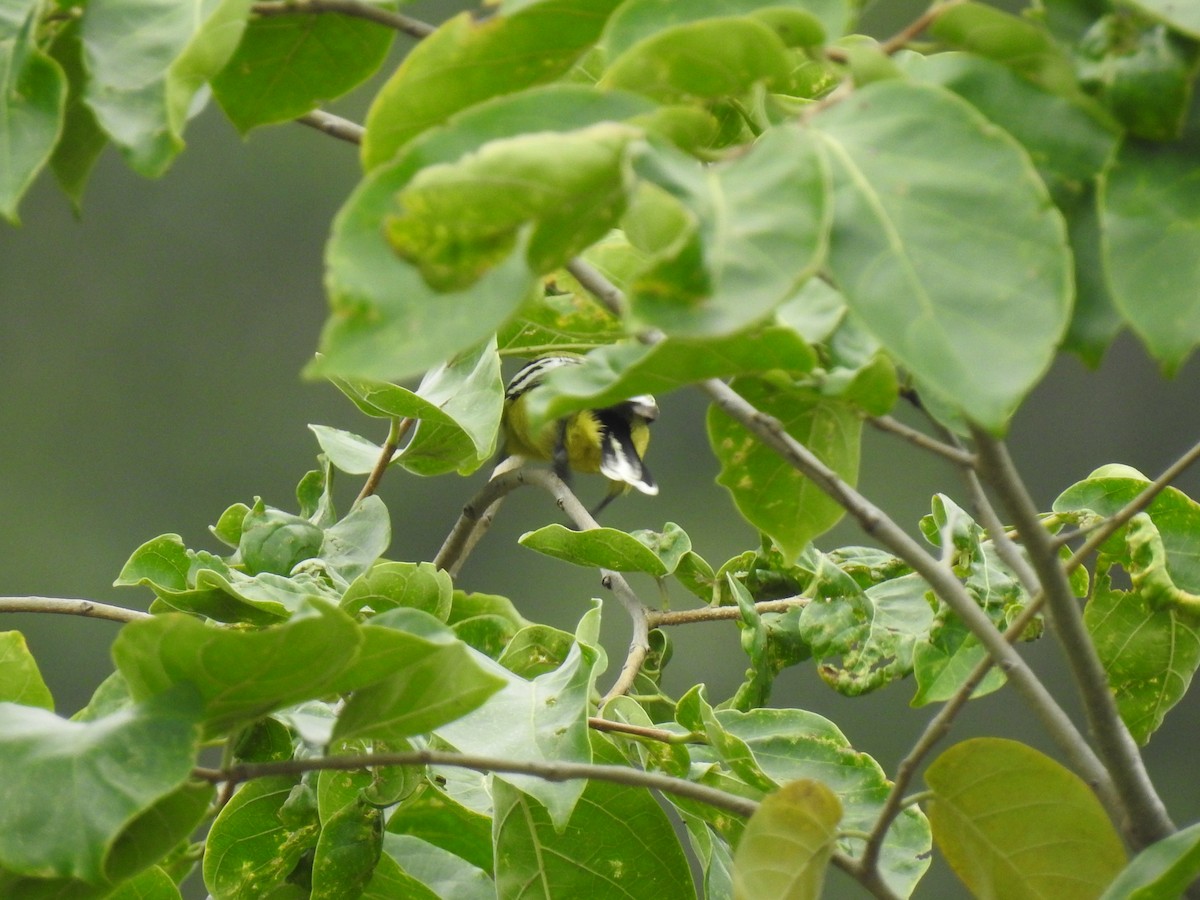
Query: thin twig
(941, 579)
(336, 126)
(549, 771)
(69, 607)
(1145, 816)
(720, 613)
(598, 286)
(956, 455)
(396, 431)
(378, 14)
(1109, 527)
(900, 39)
(661, 735)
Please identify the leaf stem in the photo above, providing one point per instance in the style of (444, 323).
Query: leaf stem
(661, 735)
(901, 38)
(372, 13)
(1145, 817)
(399, 427)
(69, 607)
(550, 771)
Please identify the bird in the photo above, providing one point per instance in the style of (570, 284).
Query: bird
(610, 441)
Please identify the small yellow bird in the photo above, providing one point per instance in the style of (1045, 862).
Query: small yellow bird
(610, 441)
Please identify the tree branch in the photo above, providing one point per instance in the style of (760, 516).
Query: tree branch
(550, 771)
(1145, 817)
(377, 14)
(607, 293)
(941, 579)
(659, 619)
(659, 735)
(336, 126)
(68, 607)
(900, 39)
(956, 455)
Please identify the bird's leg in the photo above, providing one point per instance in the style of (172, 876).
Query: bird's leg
(562, 465)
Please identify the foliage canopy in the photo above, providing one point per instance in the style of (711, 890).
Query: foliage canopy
(811, 225)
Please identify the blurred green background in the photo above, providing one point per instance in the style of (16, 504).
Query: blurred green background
(149, 368)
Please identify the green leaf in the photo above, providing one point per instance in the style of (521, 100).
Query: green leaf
(1162, 871)
(347, 851)
(20, 680)
(711, 58)
(143, 79)
(1181, 16)
(1095, 320)
(749, 232)
(1066, 141)
(160, 829)
(785, 849)
(1150, 219)
(792, 510)
(386, 322)
(792, 744)
(571, 322)
(352, 545)
(904, 199)
(240, 675)
(455, 221)
(286, 66)
(1142, 73)
(258, 838)
(33, 96)
(540, 720)
(81, 141)
(866, 640)
(465, 62)
(351, 453)
(63, 809)
(608, 548)
(469, 393)
(152, 884)
(438, 819)
(1014, 823)
(433, 679)
(619, 371)
(618, 842)
(445, 874)
(1148, 638)
(390, 585)
(485, 621)
(1015, 41)
(390, 881)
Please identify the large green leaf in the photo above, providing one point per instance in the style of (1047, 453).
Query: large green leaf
(456, 221)
(82, 140)
(739, 237)
(540, 720)
(1150, 217)
(1013, 823)
(347, 851)
(768, 491)
(1021, 43)
(72, 788)
(1148, 638)
(618, 371)
(433, 680)
(1180, 15)
(387, 323)
(910, 204)
(465, 62)
(258, 837)
(33, 95)
(618, 842)
(442, 872)
(790, 744)
(652, 552)
(147, 59)
(287, 65)
(437, 818)
(20, 680)
(240, 675)
(1162, 871)
(785, 849)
